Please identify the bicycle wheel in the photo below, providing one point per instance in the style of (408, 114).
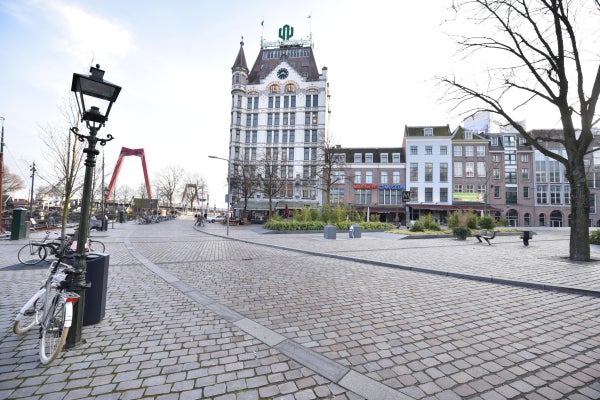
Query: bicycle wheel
(31, 254)
(97, 246)
(29, 315)
(54, 330)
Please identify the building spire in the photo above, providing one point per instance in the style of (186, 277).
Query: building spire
(240, 60)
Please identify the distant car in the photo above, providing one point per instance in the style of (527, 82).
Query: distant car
(95, 224)
(217, 218)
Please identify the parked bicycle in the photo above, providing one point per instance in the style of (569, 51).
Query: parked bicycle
(37, 251)
(50, 308)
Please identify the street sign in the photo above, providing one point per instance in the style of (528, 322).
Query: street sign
(405, 196)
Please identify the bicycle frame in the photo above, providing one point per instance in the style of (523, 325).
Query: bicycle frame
(60, 246)
(57, 318)
(70, 298)
(53, 280)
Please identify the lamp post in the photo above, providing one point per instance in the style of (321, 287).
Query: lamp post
(33, 171)
(1, 176)
(105, 209)
(99, 96)
(228, 188)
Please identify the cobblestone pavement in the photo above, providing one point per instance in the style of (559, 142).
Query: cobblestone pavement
(192, 314)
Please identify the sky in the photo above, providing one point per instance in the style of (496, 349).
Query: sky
(173, 61)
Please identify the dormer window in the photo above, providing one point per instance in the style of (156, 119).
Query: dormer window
(428, 131)
(468, 135)
(509, 141)
(339, 158)
(290, 88)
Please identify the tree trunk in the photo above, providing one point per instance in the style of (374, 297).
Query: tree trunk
(64, 219)
(579, 248)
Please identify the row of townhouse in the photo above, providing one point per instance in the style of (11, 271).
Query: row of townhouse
(279, 119)
(467, 169)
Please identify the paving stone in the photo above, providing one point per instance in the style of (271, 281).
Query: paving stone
(473, 338)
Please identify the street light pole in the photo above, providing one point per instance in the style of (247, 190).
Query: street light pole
(91, 88)
(103, 195)
(228, 188)
(33, 171)
(1, 176)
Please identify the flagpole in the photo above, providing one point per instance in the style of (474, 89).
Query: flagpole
(262, 24)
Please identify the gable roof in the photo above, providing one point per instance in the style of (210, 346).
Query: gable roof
(300, 58)
(419, 131)
(459, 134)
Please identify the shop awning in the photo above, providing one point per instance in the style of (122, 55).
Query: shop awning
(253, 205)
(263, 205)
(382, 210)
(454, 207)
(294, 205)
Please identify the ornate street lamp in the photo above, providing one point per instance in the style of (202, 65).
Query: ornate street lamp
(95, 97)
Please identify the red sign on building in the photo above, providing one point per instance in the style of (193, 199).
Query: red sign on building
(366, 186)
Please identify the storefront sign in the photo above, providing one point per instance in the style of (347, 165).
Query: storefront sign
(366, 186)
(470, 197)
(392, 187)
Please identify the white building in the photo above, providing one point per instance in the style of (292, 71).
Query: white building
(428, 168)
(278, 113)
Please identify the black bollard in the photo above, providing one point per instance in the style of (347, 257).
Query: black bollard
(526, 238)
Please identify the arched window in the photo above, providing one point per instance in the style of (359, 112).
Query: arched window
(513, 217)
(556, 219)
(274, 88)
(542, 220)
(290, 88)
(527, 219)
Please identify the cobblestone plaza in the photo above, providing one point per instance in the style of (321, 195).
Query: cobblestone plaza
(193, 314)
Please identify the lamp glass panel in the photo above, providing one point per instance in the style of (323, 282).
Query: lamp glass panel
(94, 88)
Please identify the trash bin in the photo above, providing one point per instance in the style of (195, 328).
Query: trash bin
(355, 231)
(19, 228)
(105, 224)
(96, 273)
(329, 231)
(121, 216)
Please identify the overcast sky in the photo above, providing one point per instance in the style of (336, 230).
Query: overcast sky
(173, 60)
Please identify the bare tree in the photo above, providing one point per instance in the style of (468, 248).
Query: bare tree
(245, 182)
(141, 192)
(124, 194)
(549, 56)
(168, 182)
(329, 162)
(65, 156)
(270, 178)
(11, 182)
(195, 190)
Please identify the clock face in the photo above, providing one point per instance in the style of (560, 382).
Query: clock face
(282, 73)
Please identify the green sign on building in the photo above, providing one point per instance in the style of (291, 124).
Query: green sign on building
(467, 197)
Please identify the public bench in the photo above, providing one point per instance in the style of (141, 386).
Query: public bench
(485, 236)
(34, 225)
